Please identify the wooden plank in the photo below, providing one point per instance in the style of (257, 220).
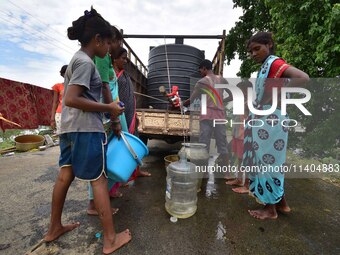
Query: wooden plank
(10, 149)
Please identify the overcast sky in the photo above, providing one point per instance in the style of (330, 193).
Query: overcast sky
(34, 44)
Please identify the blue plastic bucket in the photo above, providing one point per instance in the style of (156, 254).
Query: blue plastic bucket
(124, 155)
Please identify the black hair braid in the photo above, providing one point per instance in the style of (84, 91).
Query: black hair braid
(75, 32)
(87, 26)
(92, 13)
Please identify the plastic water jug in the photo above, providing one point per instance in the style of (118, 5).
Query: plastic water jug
(181, 188)
(197, 154)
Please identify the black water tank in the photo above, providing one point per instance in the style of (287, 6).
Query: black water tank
(183, 62)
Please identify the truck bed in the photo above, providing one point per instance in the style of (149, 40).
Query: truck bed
(158, 123)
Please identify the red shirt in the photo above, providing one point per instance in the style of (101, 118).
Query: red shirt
(276, 70)
(59, 88)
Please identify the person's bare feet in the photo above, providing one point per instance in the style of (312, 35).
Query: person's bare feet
(120, 240)
(241, 190)
(143, 173)
(235, 182)
(268, 212)
(116, 194)
(283, 206)
(283, 209)
(228, 177)
(94, 212)
(55, 233)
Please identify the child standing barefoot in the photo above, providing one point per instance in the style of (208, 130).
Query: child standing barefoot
(82, 139)
(237, 143)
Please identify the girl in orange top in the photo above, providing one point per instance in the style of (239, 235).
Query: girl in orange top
(58, 91)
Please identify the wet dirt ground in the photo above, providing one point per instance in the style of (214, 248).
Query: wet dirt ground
(221, 224)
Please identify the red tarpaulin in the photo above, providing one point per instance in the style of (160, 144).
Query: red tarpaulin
(25, 104)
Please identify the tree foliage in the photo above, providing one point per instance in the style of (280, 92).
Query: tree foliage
(237, 37)
(307, 36)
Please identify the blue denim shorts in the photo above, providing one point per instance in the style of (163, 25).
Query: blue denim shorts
(85, 152)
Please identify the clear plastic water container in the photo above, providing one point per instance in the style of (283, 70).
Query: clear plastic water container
(181, 188)
(197, 154)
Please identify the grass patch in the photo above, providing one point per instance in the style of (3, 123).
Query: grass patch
(330, 177)
(299, 160)
(6, 144)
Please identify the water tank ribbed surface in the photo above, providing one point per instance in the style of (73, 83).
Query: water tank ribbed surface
(183, 63)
